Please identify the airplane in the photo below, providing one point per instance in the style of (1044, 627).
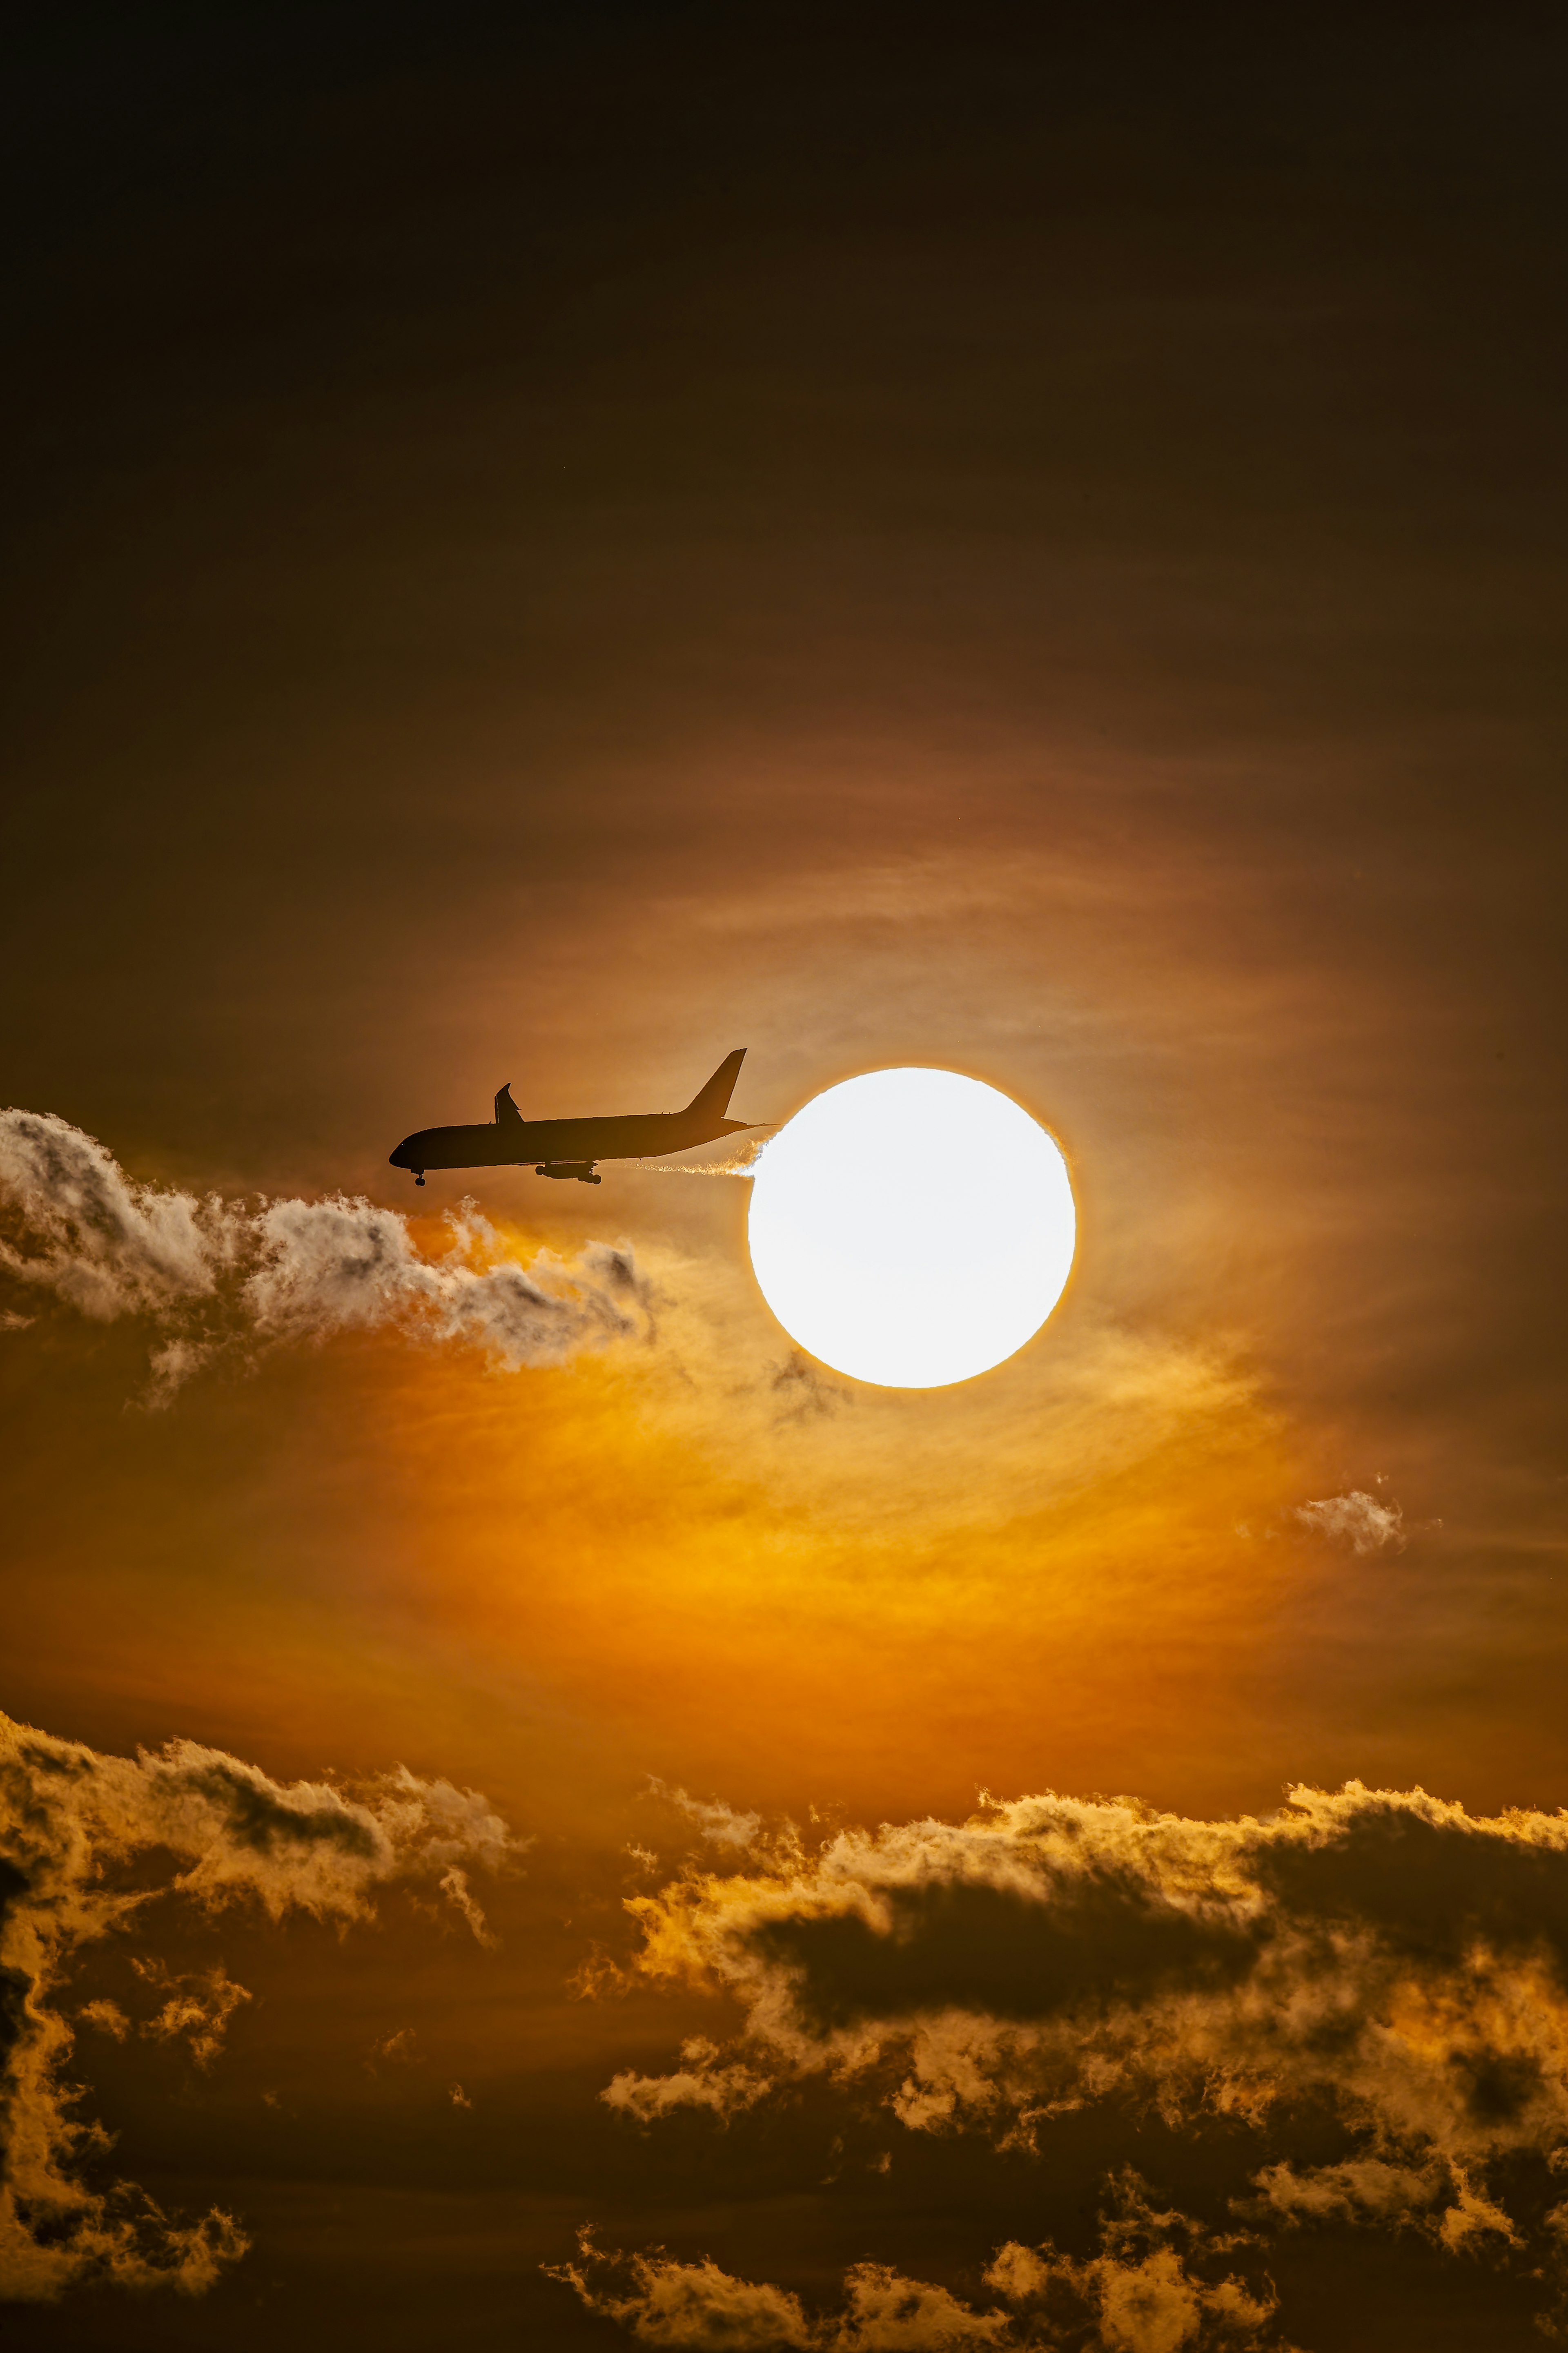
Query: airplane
(569, 1147)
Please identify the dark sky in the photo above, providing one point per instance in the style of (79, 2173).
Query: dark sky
(545, 545)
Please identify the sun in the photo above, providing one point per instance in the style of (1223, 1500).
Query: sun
(912, 1227)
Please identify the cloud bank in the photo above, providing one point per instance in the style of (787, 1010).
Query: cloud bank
(219, 1832)
(1367, 1991)
(212, 1275)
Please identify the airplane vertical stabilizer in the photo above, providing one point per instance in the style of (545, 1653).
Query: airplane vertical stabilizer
(713, 1101)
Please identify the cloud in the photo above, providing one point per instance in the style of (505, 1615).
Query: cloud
(700, 2084)
(108, 1245)
(105, 2018)
(216, 1831)
(340, 1265)
(213, 1276)
(1358, 1519)
(720, 1824)
(1379, 1966)
(693, 2305)
(199, 2007)
(803, 1392)
(1160, 2282)
(886, 2313)
(1363, 2189)
(454, 1886)
(397, 2047)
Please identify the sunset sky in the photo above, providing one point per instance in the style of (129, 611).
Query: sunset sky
(545, 545)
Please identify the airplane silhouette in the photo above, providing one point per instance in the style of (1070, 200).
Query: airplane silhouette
(569, 1147)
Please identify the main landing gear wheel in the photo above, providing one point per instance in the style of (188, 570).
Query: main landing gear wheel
(419, 1181)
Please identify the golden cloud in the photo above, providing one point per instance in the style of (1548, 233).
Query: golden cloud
(1382, 1963)
(218, 1833)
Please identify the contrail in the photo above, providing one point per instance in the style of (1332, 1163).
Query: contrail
(742, 1162)
(677, 1168)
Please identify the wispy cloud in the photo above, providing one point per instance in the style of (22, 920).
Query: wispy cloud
(197, 2007)
(700, 2083)
(213, 1276)
(696, 2305)
(717, 1823)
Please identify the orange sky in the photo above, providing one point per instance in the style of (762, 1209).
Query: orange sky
(546, 550)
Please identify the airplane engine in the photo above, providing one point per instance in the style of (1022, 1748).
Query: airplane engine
(581, 1169)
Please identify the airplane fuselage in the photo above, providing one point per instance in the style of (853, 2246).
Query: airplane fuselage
(569, 1147)
(504, 1143)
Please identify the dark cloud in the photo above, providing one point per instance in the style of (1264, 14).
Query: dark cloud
(1432, 1884)
(1104, 1937)
(217, 1832)
(1381, 1959)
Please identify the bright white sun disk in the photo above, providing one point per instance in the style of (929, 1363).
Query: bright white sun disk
(912, 1227)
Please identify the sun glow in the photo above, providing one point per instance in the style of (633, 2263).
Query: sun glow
(912, 1227)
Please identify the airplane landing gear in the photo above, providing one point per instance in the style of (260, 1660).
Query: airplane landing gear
(419, 1181)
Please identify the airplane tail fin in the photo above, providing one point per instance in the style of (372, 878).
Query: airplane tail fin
(507, 1111)
(713, 1101)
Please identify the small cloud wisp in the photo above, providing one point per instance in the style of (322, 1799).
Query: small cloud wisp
(1358, 1519)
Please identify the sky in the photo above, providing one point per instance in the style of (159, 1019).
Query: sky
(545, 545)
